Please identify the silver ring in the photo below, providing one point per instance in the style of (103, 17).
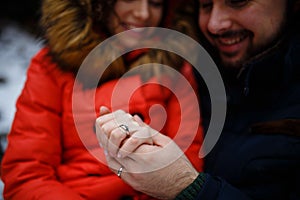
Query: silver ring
(125, 129)
(120, 172)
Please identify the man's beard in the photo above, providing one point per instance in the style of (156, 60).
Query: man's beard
(253, 52)
(236, 64)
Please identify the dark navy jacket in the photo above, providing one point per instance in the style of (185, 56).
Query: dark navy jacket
(258, 153)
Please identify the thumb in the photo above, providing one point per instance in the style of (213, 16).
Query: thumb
(160, 139)
(104, 110)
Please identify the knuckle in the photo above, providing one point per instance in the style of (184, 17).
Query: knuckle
(133, 141)
(119, 112)
(114, 134)
(98, 121)
(104, 127)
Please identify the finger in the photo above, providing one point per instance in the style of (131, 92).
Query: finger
(113, 163)
(159, 139)
(115, 135)
(139, 137)
(103, 133)
(104, 118)
(138, 120)
(104, 110)
(101, 136)
(153, 157)
(116, 164)
(130, 145)
(108, 127)
(116, 138)
(124, 121)
(118, 116)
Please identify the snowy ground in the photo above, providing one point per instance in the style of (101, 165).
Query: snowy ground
(16, 49)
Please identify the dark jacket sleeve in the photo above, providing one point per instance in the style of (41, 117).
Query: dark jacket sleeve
(207, 187)
(216, 188)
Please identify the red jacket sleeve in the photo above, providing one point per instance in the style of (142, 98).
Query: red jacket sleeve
(34, 144)
(35, 150)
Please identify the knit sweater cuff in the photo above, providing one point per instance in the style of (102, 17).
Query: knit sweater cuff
(191, 192)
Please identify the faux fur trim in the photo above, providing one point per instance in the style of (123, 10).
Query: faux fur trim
(68, 27)
(71, 32)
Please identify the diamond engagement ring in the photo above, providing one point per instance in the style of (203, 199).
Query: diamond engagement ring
(125, 129)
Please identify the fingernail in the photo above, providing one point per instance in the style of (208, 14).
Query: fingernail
(102, 109)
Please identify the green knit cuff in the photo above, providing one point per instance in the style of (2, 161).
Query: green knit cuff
(193, 189)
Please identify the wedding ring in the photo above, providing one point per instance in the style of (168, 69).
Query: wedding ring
(125, 129)
(120, 172)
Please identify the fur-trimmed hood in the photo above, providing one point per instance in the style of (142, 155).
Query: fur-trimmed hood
(70, 33)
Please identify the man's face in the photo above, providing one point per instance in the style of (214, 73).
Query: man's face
(240, 29)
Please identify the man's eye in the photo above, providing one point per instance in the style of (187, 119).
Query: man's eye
(156, 3)
(237, 3)
(206, 5)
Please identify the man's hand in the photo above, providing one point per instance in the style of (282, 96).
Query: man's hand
(154, 165)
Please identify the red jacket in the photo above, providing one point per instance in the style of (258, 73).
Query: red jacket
(53, 153)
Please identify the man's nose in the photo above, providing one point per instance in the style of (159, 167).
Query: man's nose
(141, 9)
(220, 20)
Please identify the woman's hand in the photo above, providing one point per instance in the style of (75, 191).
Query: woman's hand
(120, 133)
(151, 162)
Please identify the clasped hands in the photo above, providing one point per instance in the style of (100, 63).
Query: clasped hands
(149, 161)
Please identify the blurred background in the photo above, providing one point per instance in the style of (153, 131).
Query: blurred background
(19, 41)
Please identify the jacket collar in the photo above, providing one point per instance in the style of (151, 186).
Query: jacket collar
(272, 69)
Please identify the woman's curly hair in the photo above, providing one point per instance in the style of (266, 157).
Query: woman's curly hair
(72, 28)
